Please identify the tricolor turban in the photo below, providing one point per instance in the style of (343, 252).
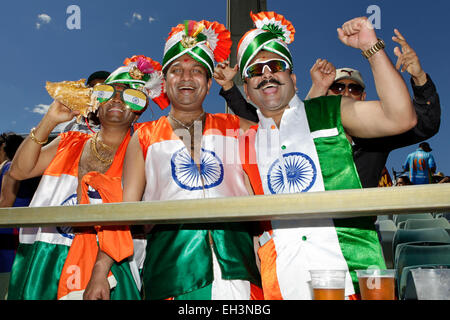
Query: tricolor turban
(273, 33)
(204, 41)
(144, 74)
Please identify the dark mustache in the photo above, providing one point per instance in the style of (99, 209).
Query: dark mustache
(267, 81)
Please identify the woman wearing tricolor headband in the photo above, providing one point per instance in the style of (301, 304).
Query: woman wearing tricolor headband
(80, 168)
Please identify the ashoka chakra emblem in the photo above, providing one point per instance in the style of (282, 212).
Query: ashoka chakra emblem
(186, 174)
(67, 232)
(300, 174)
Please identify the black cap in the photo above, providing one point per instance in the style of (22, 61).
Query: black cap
(425, 146)
(98, 75)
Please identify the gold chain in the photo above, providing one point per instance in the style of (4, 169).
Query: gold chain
(103, 145)
(95, 152)
(187, 127)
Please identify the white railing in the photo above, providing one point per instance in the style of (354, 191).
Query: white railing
(330, 204)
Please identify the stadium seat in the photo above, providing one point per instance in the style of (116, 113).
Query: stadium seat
(407, 288)
(398, 218)
(423, 235)
(427, 223)
(382, 218)
(401, 225)
(419, 253)
(386, 230)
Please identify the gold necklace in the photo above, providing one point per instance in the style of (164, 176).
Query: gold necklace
(101, 142)
(187, 127)
(95, 152)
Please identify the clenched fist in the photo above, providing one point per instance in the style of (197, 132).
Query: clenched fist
(358, 33)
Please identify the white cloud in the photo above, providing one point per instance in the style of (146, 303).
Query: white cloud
(135, 17)
(43, 18)
(41, 108)
(151, 19)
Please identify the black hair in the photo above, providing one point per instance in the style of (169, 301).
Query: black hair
(97, 75)
(12, 143)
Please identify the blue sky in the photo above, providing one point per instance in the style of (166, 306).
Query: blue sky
(37, 46)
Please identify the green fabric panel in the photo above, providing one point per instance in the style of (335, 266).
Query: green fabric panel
(204, 293)
(235, 252)
(178, 260)
(36, 271)
(335, 153)
(357, 236)
(126, 286)
(360, 245)
(179, 257)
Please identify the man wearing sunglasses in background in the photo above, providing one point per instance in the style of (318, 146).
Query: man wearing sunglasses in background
(370, 155)
(302, 147)
(70, 165)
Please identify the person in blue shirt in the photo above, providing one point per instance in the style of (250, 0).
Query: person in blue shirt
(420, 164)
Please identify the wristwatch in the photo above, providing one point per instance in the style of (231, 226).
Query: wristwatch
(376, 47)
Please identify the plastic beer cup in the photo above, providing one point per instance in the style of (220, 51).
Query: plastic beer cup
(328, 284)
(376, 284)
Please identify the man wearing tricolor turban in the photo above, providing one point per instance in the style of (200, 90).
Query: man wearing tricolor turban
(82, 168)
(309, 151)
(183, 156)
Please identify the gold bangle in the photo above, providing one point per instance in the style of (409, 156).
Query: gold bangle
(33, 137)
(377, 47)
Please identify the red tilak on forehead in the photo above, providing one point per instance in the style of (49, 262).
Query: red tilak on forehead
(186, 60)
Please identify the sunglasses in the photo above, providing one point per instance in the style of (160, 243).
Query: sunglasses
(135, 100)
(353, 88)
(257, 69)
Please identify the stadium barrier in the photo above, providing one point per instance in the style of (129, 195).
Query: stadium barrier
(329, 204)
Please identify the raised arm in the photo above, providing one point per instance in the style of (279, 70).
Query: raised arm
(322, 74)
(224, 74)
(31, 158)
(426, 102)
(393, 113)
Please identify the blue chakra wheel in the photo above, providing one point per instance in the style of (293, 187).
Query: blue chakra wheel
(300, 170)
(186, 174)
(67, 232)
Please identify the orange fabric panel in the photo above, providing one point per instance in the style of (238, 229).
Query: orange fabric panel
(256, 293)
(271, 287)
(160, 130)
(248, 158)
(68, 154)
(116, 241)
(79, 263)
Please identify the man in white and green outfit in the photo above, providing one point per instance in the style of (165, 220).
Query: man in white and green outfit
(302, 147)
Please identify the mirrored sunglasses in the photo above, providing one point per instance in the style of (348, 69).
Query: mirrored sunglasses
(135, 100)
(257, 69)
(353, 88)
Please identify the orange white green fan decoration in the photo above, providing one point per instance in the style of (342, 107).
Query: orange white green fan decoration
(273, 33)
(144, 74)
(204, 41)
